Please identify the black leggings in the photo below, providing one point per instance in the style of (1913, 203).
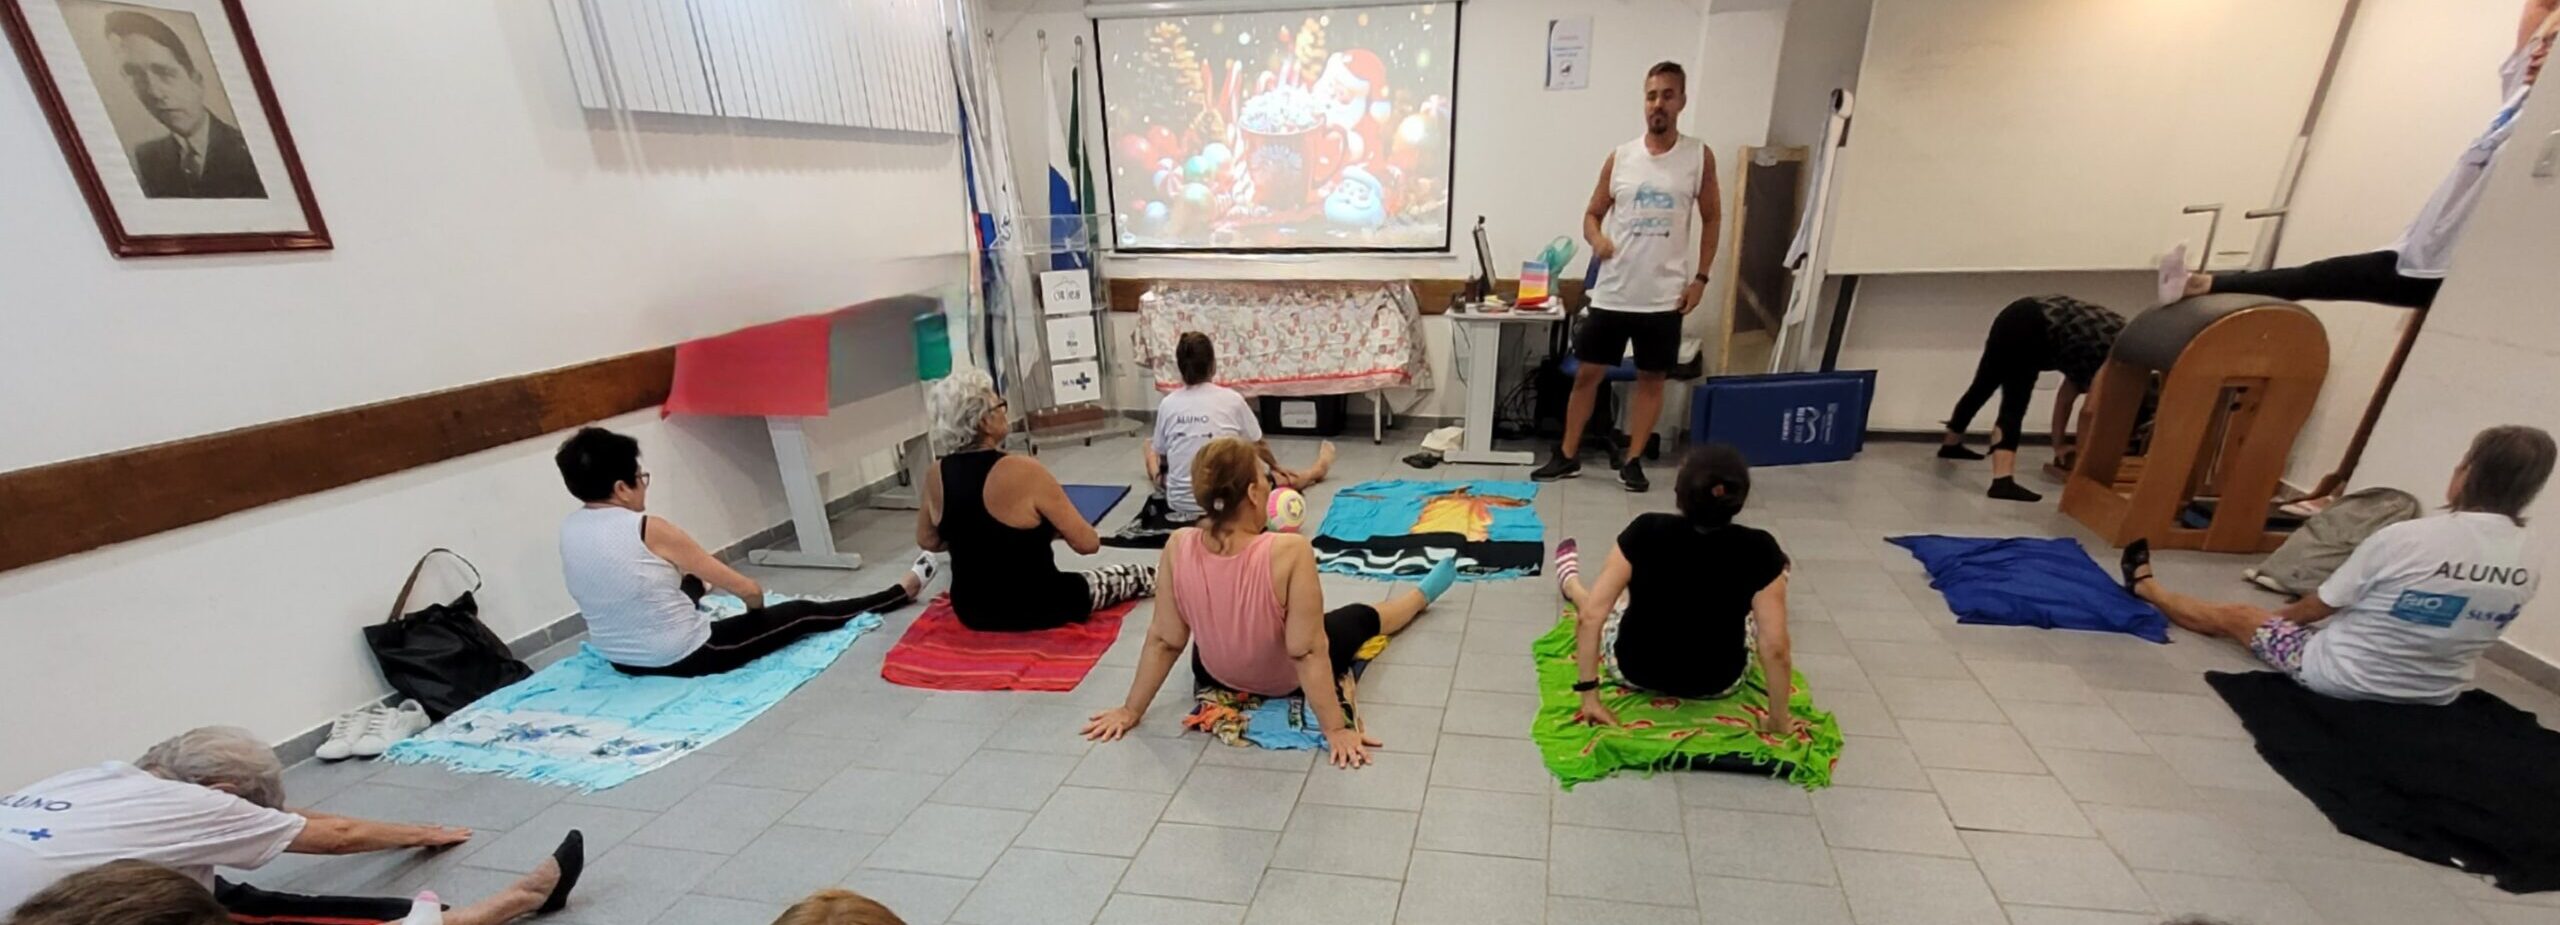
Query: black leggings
(757, 633)
(2373, 277)
(2019, 349)
(1346, 629)
(249, 904)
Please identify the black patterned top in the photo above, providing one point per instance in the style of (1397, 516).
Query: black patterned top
(2083, 335)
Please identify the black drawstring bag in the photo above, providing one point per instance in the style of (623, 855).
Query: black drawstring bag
(443, 657)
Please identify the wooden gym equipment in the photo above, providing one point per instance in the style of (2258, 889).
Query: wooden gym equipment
(2239, 374)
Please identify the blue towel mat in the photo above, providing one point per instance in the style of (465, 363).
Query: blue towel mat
(581, 723)
(2026, 581)
(1095, 501)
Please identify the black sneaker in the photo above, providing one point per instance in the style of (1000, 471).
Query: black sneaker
(1631, 475)
(1559, 466)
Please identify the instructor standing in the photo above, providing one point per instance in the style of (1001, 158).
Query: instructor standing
(1650, 275)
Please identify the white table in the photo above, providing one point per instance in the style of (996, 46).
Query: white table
(1480, 335)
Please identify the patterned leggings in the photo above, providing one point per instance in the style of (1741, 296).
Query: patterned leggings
(1112, 584)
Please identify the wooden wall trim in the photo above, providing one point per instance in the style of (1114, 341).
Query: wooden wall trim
(71, 507)
(1431, 294)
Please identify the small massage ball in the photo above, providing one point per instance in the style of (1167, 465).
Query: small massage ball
(1287, 510)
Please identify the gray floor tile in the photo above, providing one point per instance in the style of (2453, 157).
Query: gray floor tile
(696, 909)
(1760, 902)
(2257, 902)
(1435, 648)
(1886, 820)
(2050, 870)
(519, 850)
(931, 748)
(1293, 897)
(1503, 637)
(793, 762)
(720, 819)
(920, 899)
(1390, 781)
(2036, 682)
(1484, 822)
(1092, 820)
(1937, 698)
(1639, 867)
(2029, 803)
(1402, 728)
(1410, 685)
(2177, 714)
(2509, 914)
(1908, 889)
(1860, 713)
(635, 883)
(1758, 846)
(1627, 801)
(2075, 726)
(1742, 791)
(1483, 763)
(1347, 841)
(662, 789)
(1909, 659)
(1138, 763)
(2368, 893)
(950, 841)
(1054, 728)
(1486, 713)
(1006, 780)
(2227, 763)
(1254, 757)
(2123, 780)
(1236, 798)
(1575, 910)
(1132, 909)
(2174, 840)
(864, 800)
(788, 862)
(1829, 674)
(1031, 887)
(1509, 674)
(1200, 862)
(2047, 915)
(1878, 762)
(970, 708)
(1469, 889)
(1970, 747)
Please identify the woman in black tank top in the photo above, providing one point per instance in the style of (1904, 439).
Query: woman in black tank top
(1005, 578)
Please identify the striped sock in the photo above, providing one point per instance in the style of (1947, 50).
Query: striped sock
(1568, 562)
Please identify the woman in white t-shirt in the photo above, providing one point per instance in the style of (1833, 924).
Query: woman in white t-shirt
(2406, 618)
(1201, 411)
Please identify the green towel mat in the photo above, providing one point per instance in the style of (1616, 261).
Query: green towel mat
(1657, 732)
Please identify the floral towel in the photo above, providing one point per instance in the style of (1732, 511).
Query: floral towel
(1279, 723)
(1277, 337)
(1657, 731)
(581, 723)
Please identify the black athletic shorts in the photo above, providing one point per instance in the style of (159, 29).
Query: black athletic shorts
(1605, 335)
(1346, 629)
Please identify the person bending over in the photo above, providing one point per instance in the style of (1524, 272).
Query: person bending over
(2410, 273)
(1685, 599)
(2030, 336)
(996, 512)
(214, 797)
(638, 579)
(2406, 618)
(1249, 605)
(1201, 411)
(1638, 227)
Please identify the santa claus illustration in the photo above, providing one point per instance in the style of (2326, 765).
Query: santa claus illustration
(1353, 89)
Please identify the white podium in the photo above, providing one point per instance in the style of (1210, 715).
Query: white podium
(1479, 334)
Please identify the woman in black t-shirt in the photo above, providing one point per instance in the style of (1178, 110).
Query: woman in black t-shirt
(1685, 598)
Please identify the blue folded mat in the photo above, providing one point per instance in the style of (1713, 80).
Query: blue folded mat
(2024, 581)
(1094, 501)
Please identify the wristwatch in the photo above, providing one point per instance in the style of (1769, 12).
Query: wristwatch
(1585, 687)
(1701, 279)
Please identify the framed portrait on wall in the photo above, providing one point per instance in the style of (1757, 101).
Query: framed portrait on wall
(168, 123)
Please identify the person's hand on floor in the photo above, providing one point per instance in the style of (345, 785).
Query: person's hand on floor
(1350, 747)
(1594, 712)
(1109, 725)
(442, 836)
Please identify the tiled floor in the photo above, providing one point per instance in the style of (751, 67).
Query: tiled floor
(2048, 778)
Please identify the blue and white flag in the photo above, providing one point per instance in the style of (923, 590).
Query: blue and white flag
(1067, 242)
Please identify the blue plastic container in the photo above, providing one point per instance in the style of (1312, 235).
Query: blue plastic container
(1785, 419)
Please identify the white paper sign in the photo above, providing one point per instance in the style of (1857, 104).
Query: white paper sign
(1075, 383)
(1064, 292)
(1569, 53)
(1070, 337)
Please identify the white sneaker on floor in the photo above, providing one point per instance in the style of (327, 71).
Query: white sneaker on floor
(390, 724)
(343, 733)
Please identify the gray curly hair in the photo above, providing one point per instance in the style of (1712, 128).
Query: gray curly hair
(960, 404)
(221, 757)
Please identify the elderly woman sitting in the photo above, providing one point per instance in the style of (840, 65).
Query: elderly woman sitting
(996, 513)
(214, 797)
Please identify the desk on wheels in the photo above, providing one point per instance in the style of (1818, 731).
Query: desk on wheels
(1480, 335)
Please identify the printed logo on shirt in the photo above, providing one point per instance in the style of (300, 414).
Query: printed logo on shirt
(2511, 575)
(2499, 617)
(1649, 196)
(33, 835)
(2425, 609)
(32, 801)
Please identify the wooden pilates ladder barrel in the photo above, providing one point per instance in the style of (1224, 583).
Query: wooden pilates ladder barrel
(2239, 375)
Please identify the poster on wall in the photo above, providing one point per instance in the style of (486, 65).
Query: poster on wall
(1071, 337)
(1066, 292)
(1569, 53)
(164, 113)
(1302, 130)
(1075, 383)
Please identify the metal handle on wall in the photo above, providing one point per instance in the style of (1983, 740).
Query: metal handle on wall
(2211, 231)
(2265, 254)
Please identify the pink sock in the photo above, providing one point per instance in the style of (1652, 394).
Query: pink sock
(1568, 562)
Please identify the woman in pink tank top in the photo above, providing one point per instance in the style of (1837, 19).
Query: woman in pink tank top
(1249, 605)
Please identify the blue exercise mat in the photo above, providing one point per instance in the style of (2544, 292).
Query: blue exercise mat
(2024, 581)
(1094, 501)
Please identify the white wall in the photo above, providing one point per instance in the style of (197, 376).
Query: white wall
(2418, 82)
(484, 229)
(1824, 41)
(2489, 354)
(1732, 84)
(1526, 157)
(1922, 334)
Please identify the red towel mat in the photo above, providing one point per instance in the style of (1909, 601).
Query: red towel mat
(939, 653)
(770, 369)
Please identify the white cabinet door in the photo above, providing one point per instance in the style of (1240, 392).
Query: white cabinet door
(2067, 134)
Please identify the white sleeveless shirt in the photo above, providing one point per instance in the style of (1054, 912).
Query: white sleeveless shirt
(632, 600)
(1654, 198)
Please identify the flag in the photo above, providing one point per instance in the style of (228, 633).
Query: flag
(1066, 212)
(1075, 142)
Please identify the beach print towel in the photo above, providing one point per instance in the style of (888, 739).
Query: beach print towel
(1284, 723)
(1394, 530)
(939, 653)
(580, 723)
(1658, 732)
